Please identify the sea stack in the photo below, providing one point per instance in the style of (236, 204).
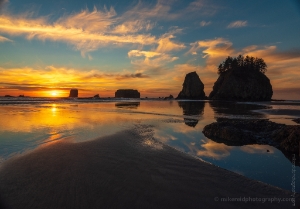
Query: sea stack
(127, 93)
(193, 88)
(246, 86)
(242, 81)
(73, 93)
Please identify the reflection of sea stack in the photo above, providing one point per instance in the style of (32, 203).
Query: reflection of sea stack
(127, 93)
(193, 88)
(239, 132)
(73, 93)
(192, 108)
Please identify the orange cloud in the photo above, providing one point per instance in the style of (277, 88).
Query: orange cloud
(214, 50)
(86, 31)
(95, 21)
(146, 61)
(166, 45)
(133, 27)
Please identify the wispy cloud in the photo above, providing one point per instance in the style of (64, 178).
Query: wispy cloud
(237, 24)
(88, 30)
(214, 50)
(4, 39)
(147, 54)
(86, 35)
(133, 27)
(205, 23)
(165, 44)
(146, 61)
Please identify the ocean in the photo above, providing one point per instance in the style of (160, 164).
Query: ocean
(29, 123)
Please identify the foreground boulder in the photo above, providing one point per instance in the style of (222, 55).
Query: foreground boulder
(242, 78)
(238, 132)
(193, 88)
(127, 93)
(73, 93)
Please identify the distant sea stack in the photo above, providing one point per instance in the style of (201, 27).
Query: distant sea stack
(127, 93)
(73, 93)
(241, 80)
(193, 88)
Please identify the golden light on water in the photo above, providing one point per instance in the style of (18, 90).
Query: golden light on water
(53, 109)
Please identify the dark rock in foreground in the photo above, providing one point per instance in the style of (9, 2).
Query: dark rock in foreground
(242, 85)
(73, 93)
(127, 93)
(237, 132)
(193, 88)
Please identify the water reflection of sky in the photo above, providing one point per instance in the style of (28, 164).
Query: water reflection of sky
(178, 124)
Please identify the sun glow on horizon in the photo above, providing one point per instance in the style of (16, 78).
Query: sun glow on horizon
(54, 93)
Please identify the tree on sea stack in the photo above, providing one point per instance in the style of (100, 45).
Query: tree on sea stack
(242, 78)
(243, 64)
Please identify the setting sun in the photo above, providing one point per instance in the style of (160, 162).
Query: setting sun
(54, 93)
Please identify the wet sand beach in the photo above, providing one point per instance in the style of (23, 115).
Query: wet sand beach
(129, 169)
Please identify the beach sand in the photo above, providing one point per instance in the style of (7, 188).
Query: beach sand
(129, 169)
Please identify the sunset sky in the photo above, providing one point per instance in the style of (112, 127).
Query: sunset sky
(99, 46)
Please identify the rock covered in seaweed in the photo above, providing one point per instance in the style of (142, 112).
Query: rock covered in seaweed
(193, 88)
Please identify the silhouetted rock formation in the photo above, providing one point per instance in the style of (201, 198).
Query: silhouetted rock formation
(192, 88)
(96, 96)
(127, 105)
(169, 97)
(73, 93)
(8, 95)
(238, 132)
(127, 93)
(297, 120)
(191, 108)
(243, 85)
